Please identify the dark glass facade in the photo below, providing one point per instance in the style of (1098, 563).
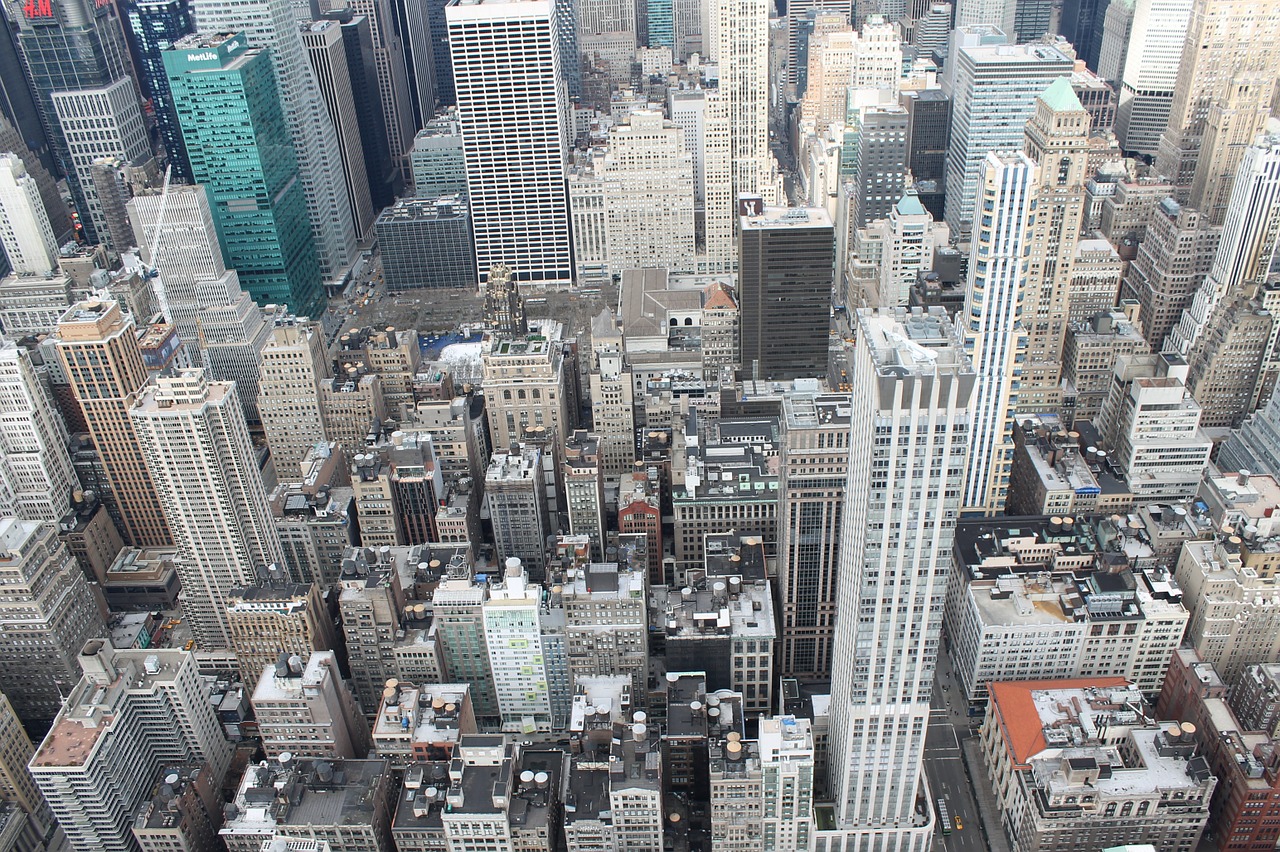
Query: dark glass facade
(151, 26)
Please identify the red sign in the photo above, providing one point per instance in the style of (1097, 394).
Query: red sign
(38, 9)
(98, 4)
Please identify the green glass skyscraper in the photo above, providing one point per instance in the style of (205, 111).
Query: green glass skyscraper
(228, 106)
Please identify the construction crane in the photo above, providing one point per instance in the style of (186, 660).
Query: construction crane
(151, 272)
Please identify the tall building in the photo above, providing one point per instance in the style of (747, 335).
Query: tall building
(513, 635)
(102, 123)
(327, 51)
(36, 477)
(132, 712)
(786, 263)
(1247, 249)
(909, 448)
(393, 79)
(28, 239)
(1150, 71)
(221, 86)
(495, 43)
(515, 492)
(787, 769)
(191, 272)
(193, 436)
(1177, 252)
(103, 364)
(16, 784)
(413, 23)
(526, 383)
(306, 709)
(47, 614)
(649, 196)
(878, 164)
(994, 332)
(816, 437)
(384, 176)
(294, 363)
(151, 26)
(67, 47)
(274, 618)
(742, 51)
(993, 88)
(1057, 140)
(270, 25)
(426, 243)
(704, 116)
(1221, 101)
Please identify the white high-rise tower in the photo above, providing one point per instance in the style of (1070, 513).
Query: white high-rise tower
(513, 107)
(994, 336)
(36, 477)
(272, 24)
(196, 445)
(24, 225)
(909, 440)
(743, 53)
(1250, 238)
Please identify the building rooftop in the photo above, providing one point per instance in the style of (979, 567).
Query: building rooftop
(1029, 708)
(422, 798)
(917, 342)
(1061, 97)
(306, 792)
(770, 218)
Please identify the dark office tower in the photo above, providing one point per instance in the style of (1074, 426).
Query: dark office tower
(385, 179)
(1081, 22)
(1031, 19)
(413, 22)
(928, 134)
(151, 26)
(879, 163)
(69, 45)
(16, 101)
(786, 258)
(440, 56)
(238, 140)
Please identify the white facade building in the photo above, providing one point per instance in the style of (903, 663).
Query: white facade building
(742, 37)
(909, 446)
(25, 231)
(513, 635)
(196, 445)
(1247, 248)
(36, 478)
(648, 183)
(271, 24)
(102, 123)
(133, 712)
(513, 107)
(993, 89)
(1150, 68)
(991, 324)
(293, 365)
(787, 769)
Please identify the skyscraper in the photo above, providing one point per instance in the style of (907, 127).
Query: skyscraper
(413, 23)
(193, 436)
(512, 104)
(909, 440)
(270, 24)
(393, 79)
(786, 260)
(151, 26)
(993, 89)
(132, 712)
(69, 46)
(221, 88)
(100, 356)
(1150, 72)
(648, 196)
(36, 477)
(327, 51)
(1226, 79)
(743, 55)
(995, 338)
(25, 233)
(293, 365)
(1247, 248)
(192, 273)
(47, 614)
(1057, 140)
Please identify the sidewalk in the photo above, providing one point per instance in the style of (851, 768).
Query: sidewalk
(992, 828)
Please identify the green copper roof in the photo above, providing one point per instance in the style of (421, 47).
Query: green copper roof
(1060, 97)
(909, 204)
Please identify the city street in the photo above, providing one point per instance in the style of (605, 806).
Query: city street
(945, 768)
